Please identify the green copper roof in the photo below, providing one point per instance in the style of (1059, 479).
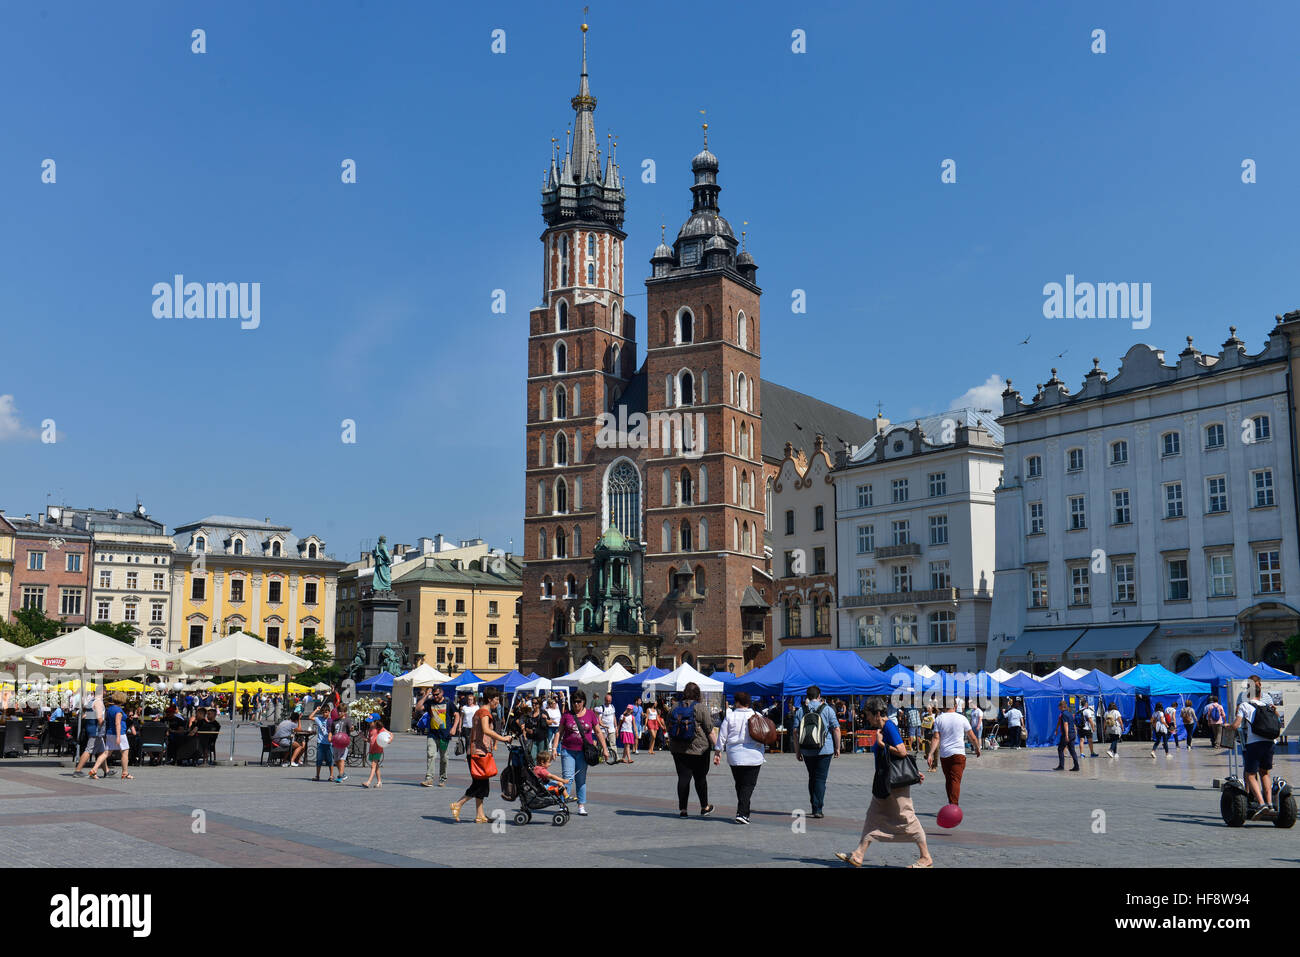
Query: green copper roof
(613, 540)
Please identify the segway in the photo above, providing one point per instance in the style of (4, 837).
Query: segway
(1236, 804)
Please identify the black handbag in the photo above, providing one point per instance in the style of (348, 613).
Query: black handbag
(590, 753)
(903, 772)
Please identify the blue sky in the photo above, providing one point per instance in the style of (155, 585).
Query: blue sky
(376, 297)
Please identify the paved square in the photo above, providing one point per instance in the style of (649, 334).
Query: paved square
(1130, 812)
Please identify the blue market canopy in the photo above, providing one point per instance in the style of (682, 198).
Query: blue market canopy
(837, 672)
(909, 680)
(1158, 680)
(1269, 673)
(461, 680)
(507, 683)
(1217, 665)
(629, 690)
(1104, 684)
(1119, 641)
(380, 682)
(1045, 644)
(1017, 686)
(1057, 685)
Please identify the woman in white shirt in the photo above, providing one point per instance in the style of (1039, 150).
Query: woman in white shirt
(1114, 724)
(744, 754)
(553, 720)
(1159, 732)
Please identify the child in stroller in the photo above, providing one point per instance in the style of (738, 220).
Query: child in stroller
(538, 788)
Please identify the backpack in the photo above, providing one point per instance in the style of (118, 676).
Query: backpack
(682, 725)
(812, 730)
(1265, 723)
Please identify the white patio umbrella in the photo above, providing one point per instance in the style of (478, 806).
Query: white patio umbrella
(318, 686)
(9, 652)
(228, 655)
(86, 651)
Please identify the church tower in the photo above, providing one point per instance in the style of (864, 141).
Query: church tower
(705, 490)
(581, 357)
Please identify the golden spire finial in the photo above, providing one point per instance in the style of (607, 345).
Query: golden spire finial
(706, 130)
(663, 238)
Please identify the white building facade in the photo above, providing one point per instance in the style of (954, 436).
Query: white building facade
(130, 571)
(915, 526)
(1149, 517)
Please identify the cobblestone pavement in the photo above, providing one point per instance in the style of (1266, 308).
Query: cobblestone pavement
(1133, 811)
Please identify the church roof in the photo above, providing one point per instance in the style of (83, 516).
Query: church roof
(790, 416)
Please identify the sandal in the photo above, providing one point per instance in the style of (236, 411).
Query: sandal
(455, 811)
(127, 777)
(918, 864)
(92, 775)
(482, 820)
(846, 859)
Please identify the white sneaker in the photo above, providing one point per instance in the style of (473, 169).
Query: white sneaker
(582, 810)
(1168, 756)
(1153, 755)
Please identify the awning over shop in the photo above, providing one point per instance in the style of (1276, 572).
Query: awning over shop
(1046, 644)
(1119, 641)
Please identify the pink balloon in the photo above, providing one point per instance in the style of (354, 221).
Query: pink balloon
(949, 815)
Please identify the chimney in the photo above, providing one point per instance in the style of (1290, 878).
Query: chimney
(438, 542)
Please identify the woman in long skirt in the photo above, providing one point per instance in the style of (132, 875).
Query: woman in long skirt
(890, 816)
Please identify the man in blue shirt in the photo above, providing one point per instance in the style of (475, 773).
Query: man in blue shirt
(816, 742)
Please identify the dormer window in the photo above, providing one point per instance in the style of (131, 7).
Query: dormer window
(275, 549)
(200, 543)
(690, 254)
(311, 551)
(237, 546)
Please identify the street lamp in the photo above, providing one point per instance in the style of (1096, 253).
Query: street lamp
(1030, 656)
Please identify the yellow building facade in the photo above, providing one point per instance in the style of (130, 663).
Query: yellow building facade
(461, 616)
(237, 574)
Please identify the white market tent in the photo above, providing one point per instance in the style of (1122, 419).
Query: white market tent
(535, 684)
(680, 677)
(616, 672)
(589, 673)
(1074, 673)
(425, 676)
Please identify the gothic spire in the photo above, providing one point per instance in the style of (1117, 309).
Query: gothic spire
(580, 191)
(585, 166)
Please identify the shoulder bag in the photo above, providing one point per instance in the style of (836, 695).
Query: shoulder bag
(590, 753)
(762, 730)
(903, 772)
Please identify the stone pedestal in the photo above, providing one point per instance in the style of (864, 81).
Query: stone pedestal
(379, 624)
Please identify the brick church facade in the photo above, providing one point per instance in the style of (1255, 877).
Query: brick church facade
(646, 485)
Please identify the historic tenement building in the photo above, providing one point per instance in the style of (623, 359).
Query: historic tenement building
(645, 482)
(1151, 516)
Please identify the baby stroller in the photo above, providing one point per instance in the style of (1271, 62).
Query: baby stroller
(518, 780)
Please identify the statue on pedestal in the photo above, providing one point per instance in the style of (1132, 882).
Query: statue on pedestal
(388, 661)
(383, 580)
(356, 671)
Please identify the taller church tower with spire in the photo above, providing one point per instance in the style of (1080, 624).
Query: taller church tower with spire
(643, 544)
(581, 357)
